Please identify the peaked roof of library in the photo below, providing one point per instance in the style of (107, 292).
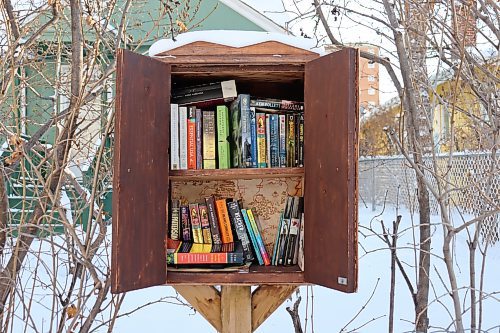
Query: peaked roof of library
(232, 38)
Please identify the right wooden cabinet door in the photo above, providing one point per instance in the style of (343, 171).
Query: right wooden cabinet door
(331, 168)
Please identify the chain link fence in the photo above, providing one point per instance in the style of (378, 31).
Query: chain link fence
(473, 178)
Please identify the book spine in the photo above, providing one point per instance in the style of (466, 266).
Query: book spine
(205, 224)
(236, 134)
(285, 229)
(174, 220)
(253, 238)
(246, 135)
(301, 140)
(220, 91)
(239, 226)
(260, 242)
(214, 223)
(278, 104)
(222, 137)
(274, 141)
(276, 241)
(174, 137)
(261, 140)
(204, 258)
(209, 158)
(282, 142)
(253, 137)
(224, 222)
(183, 137)
(191, 137)
(186, 225)
(194, 216)
(290, 137)
(268, 140)
(297, 127)
(199, 140)
(300, 255)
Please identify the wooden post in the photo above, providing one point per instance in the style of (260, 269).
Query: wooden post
(236, 309)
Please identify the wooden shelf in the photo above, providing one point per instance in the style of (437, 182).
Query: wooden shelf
(246, 173)
(257, 275)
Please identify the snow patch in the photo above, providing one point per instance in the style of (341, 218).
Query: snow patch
(233, 38)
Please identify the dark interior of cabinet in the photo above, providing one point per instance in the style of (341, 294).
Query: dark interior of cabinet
(276, 81)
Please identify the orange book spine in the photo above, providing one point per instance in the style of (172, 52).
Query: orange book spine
(224, 222)
(201, 258)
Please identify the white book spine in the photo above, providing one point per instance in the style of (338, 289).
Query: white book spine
(183, 137)
(174, 137)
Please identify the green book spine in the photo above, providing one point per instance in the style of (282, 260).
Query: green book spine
(222, 136)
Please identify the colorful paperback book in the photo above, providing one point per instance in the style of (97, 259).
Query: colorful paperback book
(199, 254)
(277, 104)
(191, 137)
(252, 216)
(205, 223)
(290, 139)
(253, 137)
(183, 137)
(282, 141)
(274, 140)
(268, 140)
(199, 140)
(214, 223)
(261, 140)
(209, 140)
(186, 224)
(255, 244)
(240, 132)
(174, 220)
(174, 137)
(239, 226)
(194, 216)
(222, 137)
(224, 221)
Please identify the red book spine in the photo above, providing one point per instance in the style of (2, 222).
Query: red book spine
(191, 138)
(202, 258)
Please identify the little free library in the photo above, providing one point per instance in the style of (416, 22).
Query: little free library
(235, 165)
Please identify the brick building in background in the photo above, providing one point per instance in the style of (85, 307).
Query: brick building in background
(368, 78)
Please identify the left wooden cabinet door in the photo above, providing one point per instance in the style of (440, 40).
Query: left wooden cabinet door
(141, 167)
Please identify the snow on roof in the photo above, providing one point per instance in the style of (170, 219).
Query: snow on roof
(233, 38)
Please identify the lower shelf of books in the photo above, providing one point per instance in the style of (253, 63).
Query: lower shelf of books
(246, 275)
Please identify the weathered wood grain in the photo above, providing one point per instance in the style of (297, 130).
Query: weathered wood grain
(236, 314)
(266, 299)
(206, 300)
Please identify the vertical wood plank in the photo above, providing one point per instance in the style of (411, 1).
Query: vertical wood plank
(266, 299)
(331, 163)
(236, 312)
(206, 300)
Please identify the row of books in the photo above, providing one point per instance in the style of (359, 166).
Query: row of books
(217, 231)
(289, 243)
(250, 133)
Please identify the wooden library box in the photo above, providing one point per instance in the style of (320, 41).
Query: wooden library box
(144, 184)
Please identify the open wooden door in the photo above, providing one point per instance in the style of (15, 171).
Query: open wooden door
(141, 164)
(331, 160)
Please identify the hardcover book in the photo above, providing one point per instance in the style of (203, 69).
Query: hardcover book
(240, 132)
(205, 95)
(222, 137)
(209, 141)
(174, 137)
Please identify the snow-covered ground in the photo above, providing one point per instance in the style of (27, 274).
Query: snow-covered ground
(332, 311)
